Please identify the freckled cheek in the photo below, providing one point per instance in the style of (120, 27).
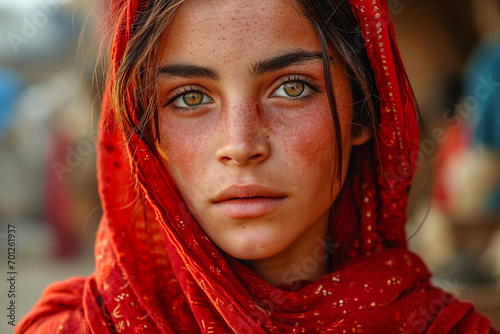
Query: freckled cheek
(187, 150)
(310, 141)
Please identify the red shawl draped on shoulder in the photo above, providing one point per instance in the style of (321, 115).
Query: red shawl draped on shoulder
(158, 272)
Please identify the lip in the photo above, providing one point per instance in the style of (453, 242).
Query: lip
(248, 201)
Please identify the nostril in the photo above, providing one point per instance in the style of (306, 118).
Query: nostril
(255, 157)
(239, 162)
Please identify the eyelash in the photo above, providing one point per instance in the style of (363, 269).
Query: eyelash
(290, 79)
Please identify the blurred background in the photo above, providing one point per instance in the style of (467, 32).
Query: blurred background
(48, 111)
(49, 106)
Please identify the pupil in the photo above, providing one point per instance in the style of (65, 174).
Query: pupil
(192, 98)
(294, 89)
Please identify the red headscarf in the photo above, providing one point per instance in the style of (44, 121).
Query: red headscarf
(159, 273)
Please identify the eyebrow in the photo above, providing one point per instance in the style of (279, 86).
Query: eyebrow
(285, 60)
(188, 71)
(257, 69)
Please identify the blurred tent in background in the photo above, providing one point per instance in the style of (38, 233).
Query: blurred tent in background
(11, 85)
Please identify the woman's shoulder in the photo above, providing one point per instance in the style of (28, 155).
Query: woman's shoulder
(59, 310)
(405, 301)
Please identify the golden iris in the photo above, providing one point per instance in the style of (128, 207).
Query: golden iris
(192, 98)
(294, 89)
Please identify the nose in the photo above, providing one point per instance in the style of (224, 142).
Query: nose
(245, 139)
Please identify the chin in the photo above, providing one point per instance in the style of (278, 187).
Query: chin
(251, 246)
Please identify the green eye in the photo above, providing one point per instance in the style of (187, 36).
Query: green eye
(293, 89)
(191, 99)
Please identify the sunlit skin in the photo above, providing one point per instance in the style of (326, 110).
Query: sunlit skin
(228, 119)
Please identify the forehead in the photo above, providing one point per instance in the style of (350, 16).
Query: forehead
(237, 11)
(238, 28)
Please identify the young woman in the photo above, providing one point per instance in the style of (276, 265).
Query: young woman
(254, 162)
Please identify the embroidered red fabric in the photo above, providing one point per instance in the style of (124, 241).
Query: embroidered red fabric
(157, 272)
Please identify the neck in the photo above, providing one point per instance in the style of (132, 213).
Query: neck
(307, 259)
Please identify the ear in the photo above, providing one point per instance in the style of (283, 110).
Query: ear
(361, 135)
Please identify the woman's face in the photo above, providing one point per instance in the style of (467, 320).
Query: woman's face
(246, 129)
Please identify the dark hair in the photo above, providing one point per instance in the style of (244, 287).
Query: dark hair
(338, 32)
